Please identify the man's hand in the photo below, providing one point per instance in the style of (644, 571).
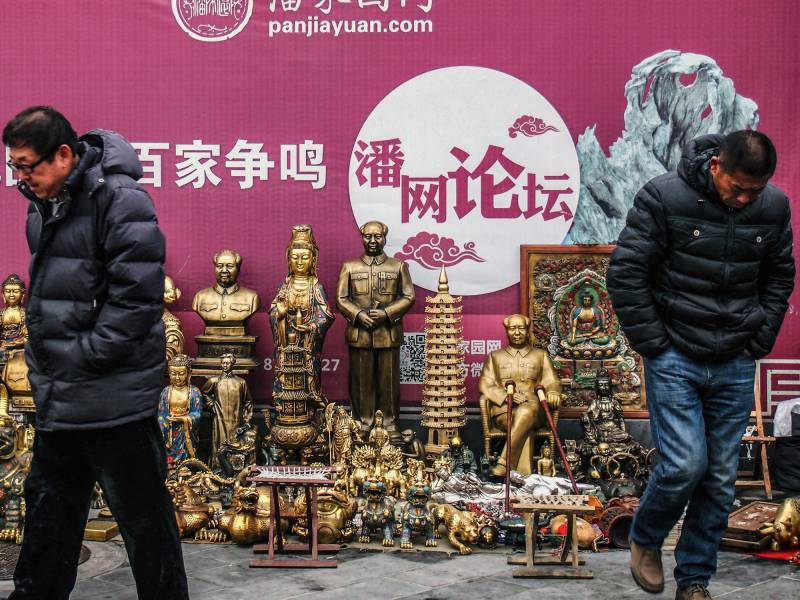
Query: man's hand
(553, 400)
(519, 398)
(364, 320)
(378, 316)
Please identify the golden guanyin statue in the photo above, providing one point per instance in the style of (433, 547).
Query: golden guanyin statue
(172, 325)
(14, 330)
(378, 435)
(300, 309)
(299, 317)
(226, 307)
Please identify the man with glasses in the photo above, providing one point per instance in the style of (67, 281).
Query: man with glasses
(700, 281)
(95, 355)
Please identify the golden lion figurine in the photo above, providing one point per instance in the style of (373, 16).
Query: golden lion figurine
(463, 527)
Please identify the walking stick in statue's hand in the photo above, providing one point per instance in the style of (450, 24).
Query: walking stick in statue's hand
(510, 387)
(541, 393)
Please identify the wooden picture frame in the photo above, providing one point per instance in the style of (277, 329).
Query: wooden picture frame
(563, 292)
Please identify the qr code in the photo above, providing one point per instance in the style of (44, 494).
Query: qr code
(412, 358)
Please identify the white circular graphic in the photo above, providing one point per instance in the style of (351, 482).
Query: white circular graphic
(465, 164)
(212, 20)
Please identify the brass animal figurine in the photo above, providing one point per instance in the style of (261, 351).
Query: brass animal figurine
(785, 529)
(416, 516)
(463, 526)
(245, 522)
(191, 512)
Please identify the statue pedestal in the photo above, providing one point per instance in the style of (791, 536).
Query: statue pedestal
(211, 347)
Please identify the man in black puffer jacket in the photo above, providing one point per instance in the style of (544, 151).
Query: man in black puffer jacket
(700, 281)
(95, 356)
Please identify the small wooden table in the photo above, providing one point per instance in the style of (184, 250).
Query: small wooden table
(533, 506)
(309, 478)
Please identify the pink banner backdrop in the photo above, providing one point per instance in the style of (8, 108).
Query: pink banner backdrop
(247, 115)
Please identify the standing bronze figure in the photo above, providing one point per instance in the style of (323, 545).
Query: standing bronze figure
(374, 291)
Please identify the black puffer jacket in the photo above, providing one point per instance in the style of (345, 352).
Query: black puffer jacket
(96, 342)
(692, 273)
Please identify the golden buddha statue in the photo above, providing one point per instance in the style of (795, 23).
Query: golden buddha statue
(172, 325)
(226, 307)
(12, 319)
(588, 322)
(545, 466)
(528, 367)
(179, 411)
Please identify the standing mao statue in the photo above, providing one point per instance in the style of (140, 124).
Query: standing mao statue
(300, 310)
(373, 293)
(179, 411)
(528, 367)
(172, 325)
(231, 404)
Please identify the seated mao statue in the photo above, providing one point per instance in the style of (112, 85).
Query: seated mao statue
(528, 367)
(226, 307)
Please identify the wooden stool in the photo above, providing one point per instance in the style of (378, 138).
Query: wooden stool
(309, 478)
(552, 568)
(759, 440)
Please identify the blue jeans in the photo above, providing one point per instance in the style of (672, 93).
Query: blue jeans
(698, 414)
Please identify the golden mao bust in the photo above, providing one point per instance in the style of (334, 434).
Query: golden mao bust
(226, 307)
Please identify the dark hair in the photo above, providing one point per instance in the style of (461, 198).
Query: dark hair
(750, 152)
(42, 128)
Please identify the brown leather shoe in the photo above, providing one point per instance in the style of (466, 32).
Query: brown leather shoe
(646, 568)
(696, 591)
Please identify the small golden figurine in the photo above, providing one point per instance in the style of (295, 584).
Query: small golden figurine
(231, 404)
(545, 466)
(172, 325)
(528, 367)
(785, 529)
(344, 431)
(16, 452)
(373, 293)
(14, 330)
(378, 435)
(179, 411)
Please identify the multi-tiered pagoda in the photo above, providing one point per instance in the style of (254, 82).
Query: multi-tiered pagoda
(443, 394)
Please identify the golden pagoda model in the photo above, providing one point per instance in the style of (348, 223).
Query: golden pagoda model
(443, 393)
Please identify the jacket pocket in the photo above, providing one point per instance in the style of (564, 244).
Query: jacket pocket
(359, 283)
(387, 283)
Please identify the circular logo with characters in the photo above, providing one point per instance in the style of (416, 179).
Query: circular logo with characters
(465, 164)
(212, 20)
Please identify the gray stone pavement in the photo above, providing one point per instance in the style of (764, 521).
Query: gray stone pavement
(222, 572)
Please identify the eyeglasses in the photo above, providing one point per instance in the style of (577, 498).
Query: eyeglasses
(27, 169)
